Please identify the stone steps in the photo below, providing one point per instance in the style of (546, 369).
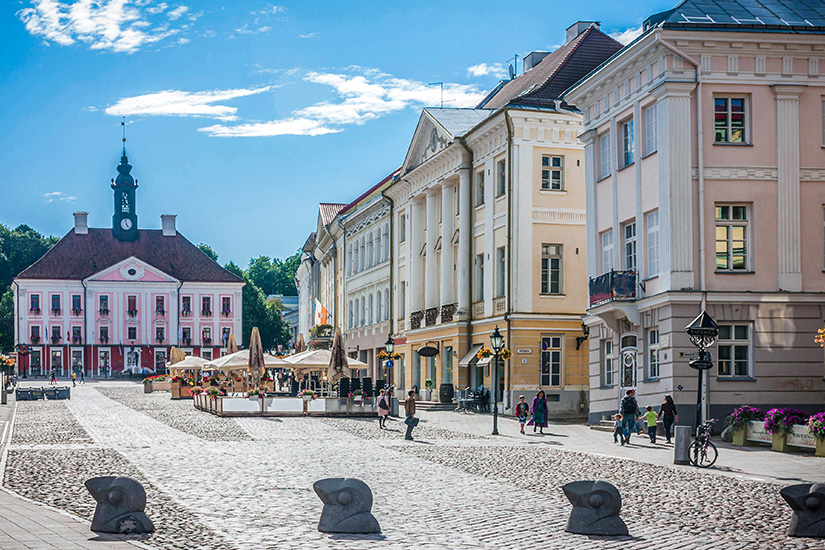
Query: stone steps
(434, 406)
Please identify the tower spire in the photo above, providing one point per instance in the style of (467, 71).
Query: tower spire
(123, 125)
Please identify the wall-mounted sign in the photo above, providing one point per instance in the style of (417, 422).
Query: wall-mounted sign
(524, 350)
(428, 351)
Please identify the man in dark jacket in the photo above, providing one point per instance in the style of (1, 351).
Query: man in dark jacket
(630, 411)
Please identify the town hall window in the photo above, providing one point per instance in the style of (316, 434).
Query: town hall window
(552, 173)
(131, 333)
(731, 237)
(186, 304)
(35, 303)
(226, 309)
(207, 335)
(729, 120)
(76, 303)
(160, 305)
(103, 305)
(35, 336)
(76, 334)
(55, 303)
(186, 334)
(160, 334)
(104, 334)
(131, 305)
(206, 305)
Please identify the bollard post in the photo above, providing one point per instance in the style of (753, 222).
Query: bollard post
(681, 438)
(3, 396)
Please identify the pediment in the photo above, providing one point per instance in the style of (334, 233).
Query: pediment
(132, 270)
(429, 139)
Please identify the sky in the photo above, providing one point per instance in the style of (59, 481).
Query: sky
(241, 116)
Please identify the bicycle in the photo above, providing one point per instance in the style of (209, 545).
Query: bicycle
(702, 453)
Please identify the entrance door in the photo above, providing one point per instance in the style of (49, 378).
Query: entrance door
(132, 358)
(77, 361)
(447, 363)
(57, 361)
(627, 361)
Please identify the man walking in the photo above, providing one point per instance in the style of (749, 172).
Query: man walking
(630, 411)
(409, 408)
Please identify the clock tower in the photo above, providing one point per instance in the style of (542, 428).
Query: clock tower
(124, 220)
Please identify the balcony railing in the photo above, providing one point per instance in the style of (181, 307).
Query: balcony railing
(186, 341)
(104, 311)
(613, 286)
(160, 311)
(34, 339)
(35, 311)
(76, 339)
(499, 305)
(226, 312)
(185, 312)
(77, 311)
(104, 339)
(56, 339)
(132, 312)
(478, 309)
(207, 341)
(206, 312)
(56, 311)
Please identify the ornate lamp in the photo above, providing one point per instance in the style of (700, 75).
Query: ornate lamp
(702, 332)
(497, 343)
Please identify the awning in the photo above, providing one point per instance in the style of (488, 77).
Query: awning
(471, 358)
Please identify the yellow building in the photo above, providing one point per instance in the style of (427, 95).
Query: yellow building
(488, 230)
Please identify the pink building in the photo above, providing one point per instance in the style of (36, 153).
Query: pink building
(705, 177)
(111, 300)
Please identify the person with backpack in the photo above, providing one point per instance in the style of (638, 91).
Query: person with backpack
(629, 410)
(383, 408)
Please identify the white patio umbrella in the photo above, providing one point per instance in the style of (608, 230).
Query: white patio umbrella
(240, 361)
(317, 360)
(190, 363)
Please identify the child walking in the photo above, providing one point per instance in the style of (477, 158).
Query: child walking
(618, 431)
(651, 418)
(522, 410)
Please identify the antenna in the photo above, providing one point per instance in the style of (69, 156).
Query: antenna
(514, 66)
(442, 90)
(123, 125)
(511, 70)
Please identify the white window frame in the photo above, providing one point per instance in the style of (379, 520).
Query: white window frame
(652, 225)
(479, 277)
(549, 253)
(480, 188)
(651, 145)
(606, 240)
(726, 361)
(609, 363)
(552, 173)
(631, 258)
(501, 170)
(554, 345)
(730, 223)
(604, 155)
(729, 116)
(628, 146)
(402, 227)
(501, 273)
(652, 357)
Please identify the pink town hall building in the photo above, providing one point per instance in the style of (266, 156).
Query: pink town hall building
(114, 300)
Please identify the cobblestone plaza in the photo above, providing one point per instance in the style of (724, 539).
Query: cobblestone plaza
(246, 483)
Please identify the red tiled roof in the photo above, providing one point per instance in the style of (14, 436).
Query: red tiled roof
(369, 191)
(76, 257)
(328, 211)
(557, 71)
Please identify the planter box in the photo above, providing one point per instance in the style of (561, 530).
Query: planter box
(740, 436)
(175, 388)
(186, 392)
(147, 387)
(820, 446)
(161, 386)
(755, 431)
(800, 437)
(779, 443)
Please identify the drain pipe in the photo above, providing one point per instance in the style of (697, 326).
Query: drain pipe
(469, 258)
(508, 309)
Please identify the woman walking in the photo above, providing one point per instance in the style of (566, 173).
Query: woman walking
(383, 408)
(539, 410)
(669, 415)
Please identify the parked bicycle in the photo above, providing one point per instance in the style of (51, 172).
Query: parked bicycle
(702, 452)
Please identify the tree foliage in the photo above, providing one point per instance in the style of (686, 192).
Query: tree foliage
(273, 275)
(206, 249)
(257, 312)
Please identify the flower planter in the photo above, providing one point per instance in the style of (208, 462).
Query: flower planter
(307, 398)
(161, 386)
(740, 436)
(147, 387)
(175, 388)
(185, 392)
(426, 395)
(820, 446)
(779, 442)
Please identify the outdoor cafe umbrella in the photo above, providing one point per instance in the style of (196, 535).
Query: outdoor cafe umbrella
(190, 363)
(176, 355)
(239, 361)
(256, 357)
(317, 360)
(337, 359)
(300, 345)
(231, 345)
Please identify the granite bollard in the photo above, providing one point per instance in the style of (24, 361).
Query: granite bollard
(347, 506)
(121, 502)
(596, 507)
(808, 503)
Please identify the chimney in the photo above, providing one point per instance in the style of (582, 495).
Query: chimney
(81, 223)
(167, 224)
(532, 59)
(579, 27)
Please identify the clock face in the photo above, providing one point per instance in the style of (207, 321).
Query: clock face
(126, 224)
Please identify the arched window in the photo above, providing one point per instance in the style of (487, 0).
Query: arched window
(387, 304)
(354, 268)
(363, 254)
(378, 257)
(369, 309)
(350, 314)
(386, 241)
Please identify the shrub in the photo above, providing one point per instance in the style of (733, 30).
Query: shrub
(780, 421)
(740, 417)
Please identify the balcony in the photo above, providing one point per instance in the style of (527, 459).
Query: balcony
(415, 319)
(478, 309)
(499, 305)
(431, 316)
(612, 287)
(448, 312)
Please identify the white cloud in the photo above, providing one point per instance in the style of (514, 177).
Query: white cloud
(269, 10)
(628, 35)
(308, 35)
(246, 30)
(180, 103)
(483, 69)
(58, 195)
(363, 95)
(113, 25)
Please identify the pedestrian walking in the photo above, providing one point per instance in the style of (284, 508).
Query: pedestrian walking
(618, 430)
(74, 378)
(409, 408)
(629, 410)
(669, 415)
(539, 410)
(522, 412)
(281, 380)
(650, 418)
(82, 377)
(383, 408)
(53, 377)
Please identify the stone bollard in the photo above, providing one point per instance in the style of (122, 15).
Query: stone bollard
(347, 506)
(808, 503)
(121, 502)
(596, 507)
(681, 440)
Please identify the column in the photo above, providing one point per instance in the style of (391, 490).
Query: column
(592, 248)
(431, 267)
(788, 218)
(464, 223)
(447, 231)
(676, 217)
(416, 229)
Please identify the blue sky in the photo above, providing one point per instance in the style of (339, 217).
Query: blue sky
(243, 115)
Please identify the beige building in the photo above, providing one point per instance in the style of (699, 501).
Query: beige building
(489, 230)
(704, 159)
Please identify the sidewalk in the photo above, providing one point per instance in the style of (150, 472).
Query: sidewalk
(27, 525)
(758, 463)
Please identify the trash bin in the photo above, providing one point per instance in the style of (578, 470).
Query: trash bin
(64, 393)
(35, 394)
(22, 394)
(50, 393)
(445, 393)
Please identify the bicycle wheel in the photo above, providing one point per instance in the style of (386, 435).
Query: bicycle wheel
(702, 456)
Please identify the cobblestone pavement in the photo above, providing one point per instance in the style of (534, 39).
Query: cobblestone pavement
(445, 490)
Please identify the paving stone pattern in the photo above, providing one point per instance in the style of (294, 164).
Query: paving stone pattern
(46, 422)
(368, 429)
(178, 414)
(442, 491)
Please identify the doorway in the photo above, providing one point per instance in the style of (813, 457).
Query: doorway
(627, 361)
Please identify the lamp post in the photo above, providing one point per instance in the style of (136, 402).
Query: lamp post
(389, 347)
(497, 342)
(702, 332)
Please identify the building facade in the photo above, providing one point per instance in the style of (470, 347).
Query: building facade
(704, 171)
(489, 231)
(114, 300)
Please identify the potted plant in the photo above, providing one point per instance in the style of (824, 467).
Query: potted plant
(779, 422)
(259, 392)
(307, 395)
(426, 393)
(738, 421)
(357, 396)
(175, 386)
(147, 385)
(816, 427)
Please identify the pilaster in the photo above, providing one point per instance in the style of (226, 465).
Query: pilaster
(416, 228)
(447, 251)
(464, 235)
(431, 266)
(592, 248)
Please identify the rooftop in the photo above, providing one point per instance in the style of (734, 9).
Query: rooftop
(458, 122)
(805, 16)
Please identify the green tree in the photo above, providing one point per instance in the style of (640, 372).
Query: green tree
(7, 321)
(206, 249)
(19, 248)
(273, 275)
(257, 312)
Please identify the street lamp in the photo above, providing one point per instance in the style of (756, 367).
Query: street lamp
(497, 342)
(702, 332)
(389, 347)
